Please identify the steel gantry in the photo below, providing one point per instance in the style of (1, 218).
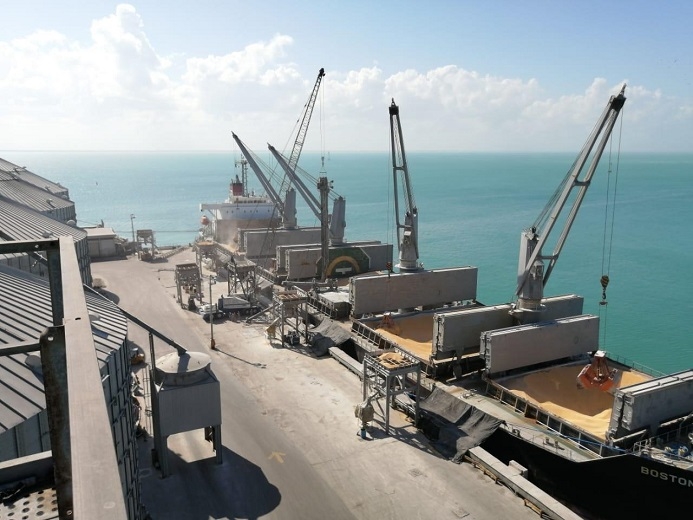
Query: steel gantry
(386, 373)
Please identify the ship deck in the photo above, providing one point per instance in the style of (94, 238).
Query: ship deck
(413, 335)
(515, 421)
(555, 390)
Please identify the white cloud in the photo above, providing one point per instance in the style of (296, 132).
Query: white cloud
(247, 65)
(684, 112)
(117, 92)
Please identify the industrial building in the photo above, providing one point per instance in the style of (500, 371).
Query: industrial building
(19, 222)
(24, 430)
(57, 334)
(28, 189)
(65, 368)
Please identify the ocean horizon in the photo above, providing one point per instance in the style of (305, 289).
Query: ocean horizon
(472, 208)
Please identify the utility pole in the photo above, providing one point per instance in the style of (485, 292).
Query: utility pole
(132, 225)
(213, 345)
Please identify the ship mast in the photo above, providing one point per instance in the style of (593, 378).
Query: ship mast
(244, 173)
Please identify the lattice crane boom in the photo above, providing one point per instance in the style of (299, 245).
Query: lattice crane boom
(305, 121)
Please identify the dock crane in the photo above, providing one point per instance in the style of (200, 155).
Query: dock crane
(531, 275)
(302, 130)
(284, 197)
(409, 242)
(305, 121)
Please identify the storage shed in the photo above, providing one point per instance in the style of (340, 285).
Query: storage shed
(102, 242)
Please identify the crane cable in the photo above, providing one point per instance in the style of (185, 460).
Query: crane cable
(606, 256)
(322, 128)
(323, 171)
(391, 226)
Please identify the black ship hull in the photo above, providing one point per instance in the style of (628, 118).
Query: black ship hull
(615, 487)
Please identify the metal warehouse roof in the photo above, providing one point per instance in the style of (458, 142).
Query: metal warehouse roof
(25, 312)
(39, 199)
(20, 172)
(21, 223)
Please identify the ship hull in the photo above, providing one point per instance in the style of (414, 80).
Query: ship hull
(614, 487)
(226, 231)
(239, 214)
(244, 211)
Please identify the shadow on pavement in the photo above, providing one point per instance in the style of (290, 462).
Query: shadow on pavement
(258, 365)
(202, 489)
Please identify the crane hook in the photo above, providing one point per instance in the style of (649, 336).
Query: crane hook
(605, 282)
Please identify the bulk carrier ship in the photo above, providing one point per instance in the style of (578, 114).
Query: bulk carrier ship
(243, 209)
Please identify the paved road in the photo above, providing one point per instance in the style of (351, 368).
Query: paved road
(289, 433)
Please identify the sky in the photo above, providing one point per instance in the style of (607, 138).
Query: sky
(469, 76)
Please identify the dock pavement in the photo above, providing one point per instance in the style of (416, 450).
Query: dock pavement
(291, 448)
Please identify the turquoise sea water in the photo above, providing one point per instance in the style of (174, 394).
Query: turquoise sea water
(472, 209)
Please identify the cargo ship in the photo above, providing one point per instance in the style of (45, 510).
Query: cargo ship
(243, 209)
(644, 451)
(591, 448)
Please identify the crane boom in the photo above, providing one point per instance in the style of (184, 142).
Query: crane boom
(409, 241)
(288, 218)
(310, 199)
(531, 276)
(271, 192)
(284, 197)
(305, 121)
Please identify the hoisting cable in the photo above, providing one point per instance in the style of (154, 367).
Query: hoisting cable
(606, 256)
(605, 276)
(322, 129)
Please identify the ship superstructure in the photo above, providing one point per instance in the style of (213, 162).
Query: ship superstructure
(243, 209)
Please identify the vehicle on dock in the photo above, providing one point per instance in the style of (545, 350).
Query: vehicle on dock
(210, 309)
(236, 304)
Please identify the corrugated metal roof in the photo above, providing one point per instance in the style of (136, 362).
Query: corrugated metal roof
(100, 232)
(39, 199)
(25, 312)
(25, 175)
(18, 222)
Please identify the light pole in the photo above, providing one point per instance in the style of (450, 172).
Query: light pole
(132, 225)
(211, 316)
